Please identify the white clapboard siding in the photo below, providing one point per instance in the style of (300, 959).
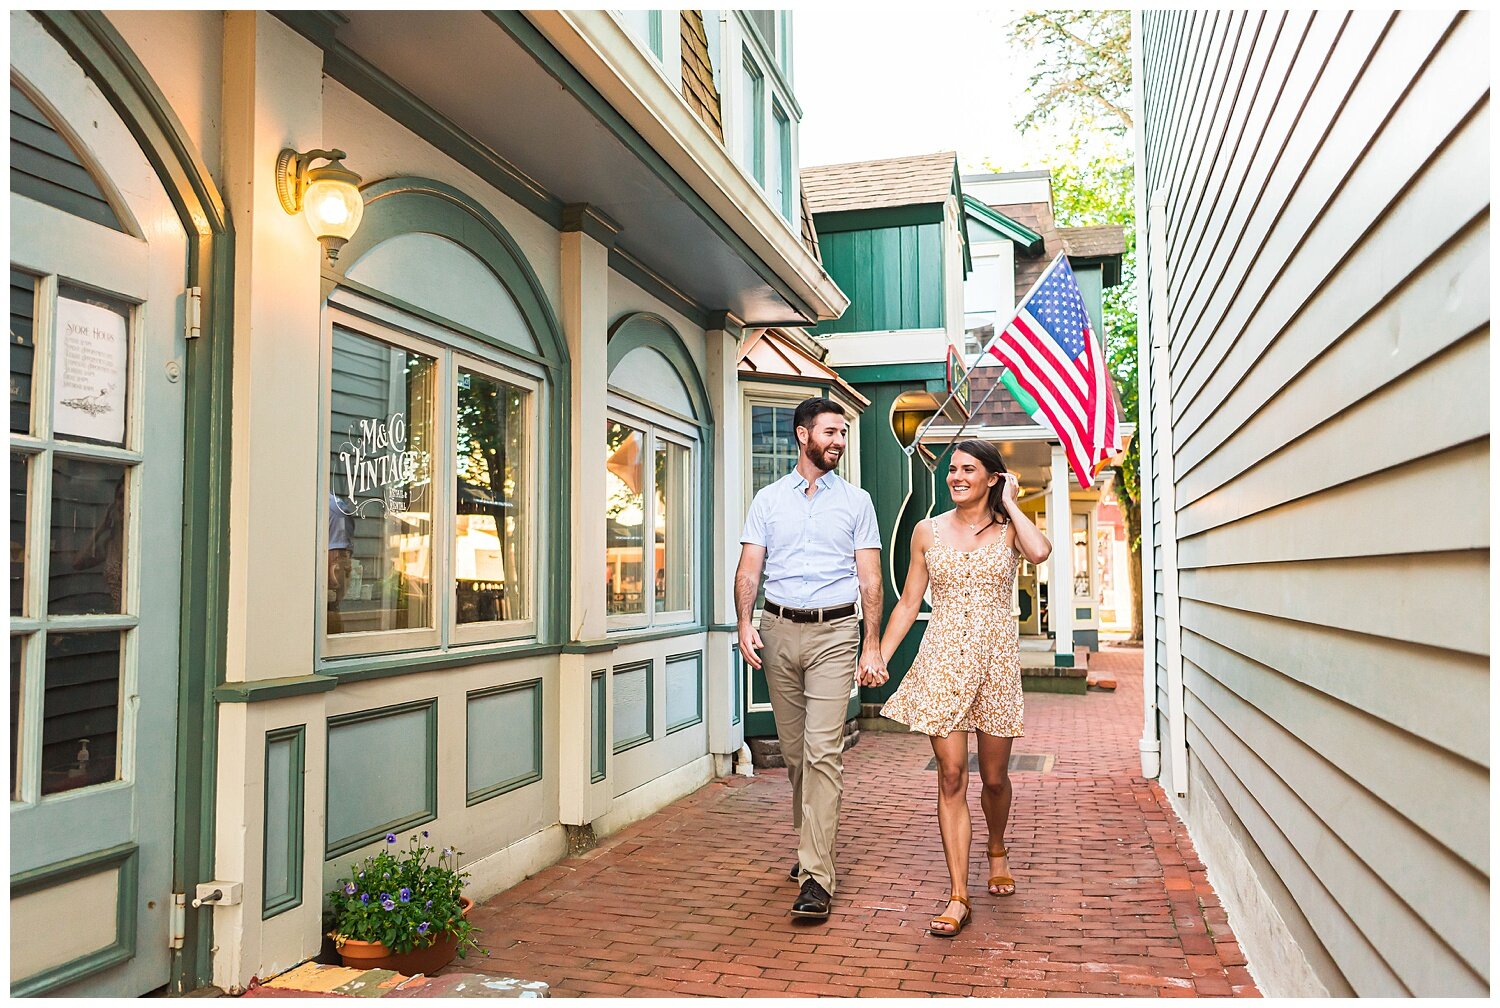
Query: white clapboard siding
(1323, 298)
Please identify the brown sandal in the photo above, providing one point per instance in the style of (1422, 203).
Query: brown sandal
(1001, 880)
(957, 925)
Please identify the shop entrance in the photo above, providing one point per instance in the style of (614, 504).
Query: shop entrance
(98, 261)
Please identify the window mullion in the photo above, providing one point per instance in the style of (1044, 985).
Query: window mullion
(445, 497)
(648, 529)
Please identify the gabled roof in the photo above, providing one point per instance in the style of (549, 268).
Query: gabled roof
(1019, 233)
(789, 353)
(890, 182)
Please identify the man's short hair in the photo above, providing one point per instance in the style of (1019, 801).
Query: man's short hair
(809, 410)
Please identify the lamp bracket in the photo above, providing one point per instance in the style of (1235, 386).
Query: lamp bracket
(291, 174)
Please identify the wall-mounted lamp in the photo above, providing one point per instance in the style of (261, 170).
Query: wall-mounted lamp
(328, 196)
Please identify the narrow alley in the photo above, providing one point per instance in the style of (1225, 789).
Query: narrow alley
(1111, 898)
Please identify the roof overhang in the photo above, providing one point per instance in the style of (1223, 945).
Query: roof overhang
(559, 108)
(782, 355)
(1027, 240)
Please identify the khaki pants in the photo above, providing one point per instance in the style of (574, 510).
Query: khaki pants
(810, 671)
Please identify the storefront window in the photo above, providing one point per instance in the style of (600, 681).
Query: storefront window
(491, 557)
(381, 494)
(625, 516)
(658, 498)
(673, 544)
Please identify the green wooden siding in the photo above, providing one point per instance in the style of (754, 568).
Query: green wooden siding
(893, 276)
(1091, 285)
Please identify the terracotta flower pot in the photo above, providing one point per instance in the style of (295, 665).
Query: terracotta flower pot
(425, 960)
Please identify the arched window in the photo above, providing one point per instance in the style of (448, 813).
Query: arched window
(443, 366)
(654, 514)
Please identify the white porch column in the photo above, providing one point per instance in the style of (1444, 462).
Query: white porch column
(1060, 564)
(724, 736)
(272, 87)
(586, 238)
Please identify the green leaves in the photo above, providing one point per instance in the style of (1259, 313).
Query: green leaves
(389, 896)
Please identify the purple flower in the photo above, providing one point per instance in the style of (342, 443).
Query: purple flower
(364, 897)
(349, 889)
(361, 874)
(428, 906)
(448, 851)
(390, 838)
(388, 904)
(405, 895)
(422, 927)
(424, 833)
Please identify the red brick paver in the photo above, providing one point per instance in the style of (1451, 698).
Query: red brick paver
(1111, 897)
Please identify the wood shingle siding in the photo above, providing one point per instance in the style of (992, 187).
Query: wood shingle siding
(698, 73)
(1325, 310)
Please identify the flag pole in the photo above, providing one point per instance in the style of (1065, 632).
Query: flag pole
(917, 440)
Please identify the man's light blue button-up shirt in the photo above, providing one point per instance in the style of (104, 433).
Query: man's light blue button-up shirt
(810, 541)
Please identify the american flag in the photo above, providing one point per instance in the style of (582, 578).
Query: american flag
(1053, 356)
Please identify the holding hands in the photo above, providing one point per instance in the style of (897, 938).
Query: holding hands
(872, 670)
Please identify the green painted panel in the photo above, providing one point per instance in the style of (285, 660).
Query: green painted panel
(893, 276)
(684, 699)
(930, 283)
(736, 685)
(504, 739)
(632, 688)
(382, 773)
(597, 751)
(125, 858)
(281, 866)
(910, 276)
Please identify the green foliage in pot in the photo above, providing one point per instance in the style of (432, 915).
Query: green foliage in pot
(404, 900)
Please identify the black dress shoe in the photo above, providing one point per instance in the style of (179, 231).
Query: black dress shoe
(796, 870)
(813, 901)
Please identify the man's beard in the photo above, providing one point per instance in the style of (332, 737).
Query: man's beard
(819, 457)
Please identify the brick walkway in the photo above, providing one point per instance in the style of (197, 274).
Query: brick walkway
(1111, 897)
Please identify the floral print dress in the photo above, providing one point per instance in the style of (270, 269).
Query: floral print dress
(967, 673)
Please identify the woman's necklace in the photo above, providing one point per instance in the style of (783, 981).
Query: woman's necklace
(975, 528)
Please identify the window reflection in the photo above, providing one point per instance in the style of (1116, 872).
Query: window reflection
(88, 537)
(380, 500)
(492, 525)
(81, 711)
(625, 517)
(672, 528)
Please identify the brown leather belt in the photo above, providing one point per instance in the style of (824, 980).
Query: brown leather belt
(809, 615)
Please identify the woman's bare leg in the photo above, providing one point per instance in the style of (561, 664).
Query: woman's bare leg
(953, 816)
(994, 770)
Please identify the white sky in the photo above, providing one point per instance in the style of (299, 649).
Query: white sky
(883, 83)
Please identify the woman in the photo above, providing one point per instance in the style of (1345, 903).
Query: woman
(967, 673)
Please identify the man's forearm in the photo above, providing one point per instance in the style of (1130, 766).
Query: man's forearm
(746, 584)
(873, 596)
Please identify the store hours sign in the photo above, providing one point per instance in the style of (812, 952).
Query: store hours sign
(89, 376)
(376, 469)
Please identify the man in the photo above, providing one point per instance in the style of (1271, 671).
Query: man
(815, 538)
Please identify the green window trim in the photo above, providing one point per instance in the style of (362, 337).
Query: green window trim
(736, 685)
(494, 790)
(125, 857)
(296, 796)
(753, 108)
(783, 127)
(336, 847)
